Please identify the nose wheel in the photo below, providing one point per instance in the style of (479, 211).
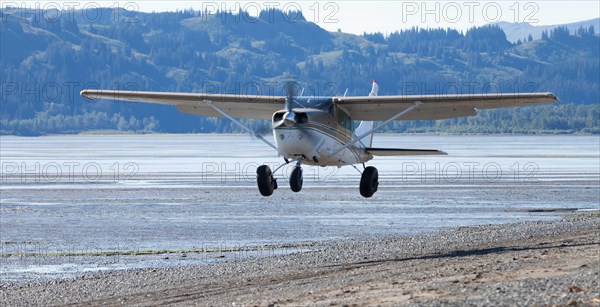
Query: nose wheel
(369, 181)
(296, 179)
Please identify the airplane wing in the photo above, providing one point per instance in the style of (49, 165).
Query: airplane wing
(371, 108)
(374, 108)
(238, 106)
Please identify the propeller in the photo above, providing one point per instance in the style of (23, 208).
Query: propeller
(291, 90)
(289, 118)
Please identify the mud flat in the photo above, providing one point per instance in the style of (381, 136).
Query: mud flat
(150, 220)
(525, 263)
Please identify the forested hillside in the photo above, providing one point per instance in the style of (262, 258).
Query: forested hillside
(45, 63)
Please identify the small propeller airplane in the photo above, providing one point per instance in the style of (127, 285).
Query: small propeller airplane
(320, 130)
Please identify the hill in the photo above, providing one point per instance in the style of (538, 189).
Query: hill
(522, 30)
(45, 63)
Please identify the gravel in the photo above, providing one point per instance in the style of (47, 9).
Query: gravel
(527, 263)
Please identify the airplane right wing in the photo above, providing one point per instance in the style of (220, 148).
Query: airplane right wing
(433, 107)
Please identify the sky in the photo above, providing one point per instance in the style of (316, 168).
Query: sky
(374, 16)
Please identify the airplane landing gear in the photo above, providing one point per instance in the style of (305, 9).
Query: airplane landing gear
(267, 183)
(296, 179)
(369, 181)
(265, 180)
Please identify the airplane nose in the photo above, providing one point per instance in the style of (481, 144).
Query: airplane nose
(289, 119)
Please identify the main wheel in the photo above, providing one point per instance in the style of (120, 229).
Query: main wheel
(369, 181)
(296, 179)
(266, 182)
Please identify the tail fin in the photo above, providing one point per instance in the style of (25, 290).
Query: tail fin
(374, 89)
(364, 125)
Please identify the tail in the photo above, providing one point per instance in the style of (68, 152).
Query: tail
(374, 89)
(364, 125)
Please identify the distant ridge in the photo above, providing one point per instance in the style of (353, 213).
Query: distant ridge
(521, 30)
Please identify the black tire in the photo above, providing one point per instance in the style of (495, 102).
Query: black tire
(296, 179)
(369, 181)
(265, 181)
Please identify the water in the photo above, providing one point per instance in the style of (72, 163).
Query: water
(67, 199)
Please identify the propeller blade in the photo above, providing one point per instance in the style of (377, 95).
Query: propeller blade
(291, 91)
(289, 118)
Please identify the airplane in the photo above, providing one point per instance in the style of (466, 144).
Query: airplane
(316, 130)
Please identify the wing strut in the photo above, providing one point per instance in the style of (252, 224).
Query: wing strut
(364, 135)
(235, 121)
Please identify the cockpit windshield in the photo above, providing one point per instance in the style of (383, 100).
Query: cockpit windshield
(320, 103)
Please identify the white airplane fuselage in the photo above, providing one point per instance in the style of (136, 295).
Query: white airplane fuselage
(312, 135)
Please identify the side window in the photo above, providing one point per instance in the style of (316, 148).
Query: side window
(345, 120)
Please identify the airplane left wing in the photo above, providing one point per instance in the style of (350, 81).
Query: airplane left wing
(238, 106)
(432, 107)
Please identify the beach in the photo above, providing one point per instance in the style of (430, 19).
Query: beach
(528, 263)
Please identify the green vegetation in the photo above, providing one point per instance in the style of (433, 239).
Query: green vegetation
(246, 249)
(594, 214)
(44, 65)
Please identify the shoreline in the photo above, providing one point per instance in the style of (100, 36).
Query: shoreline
(518, 263)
